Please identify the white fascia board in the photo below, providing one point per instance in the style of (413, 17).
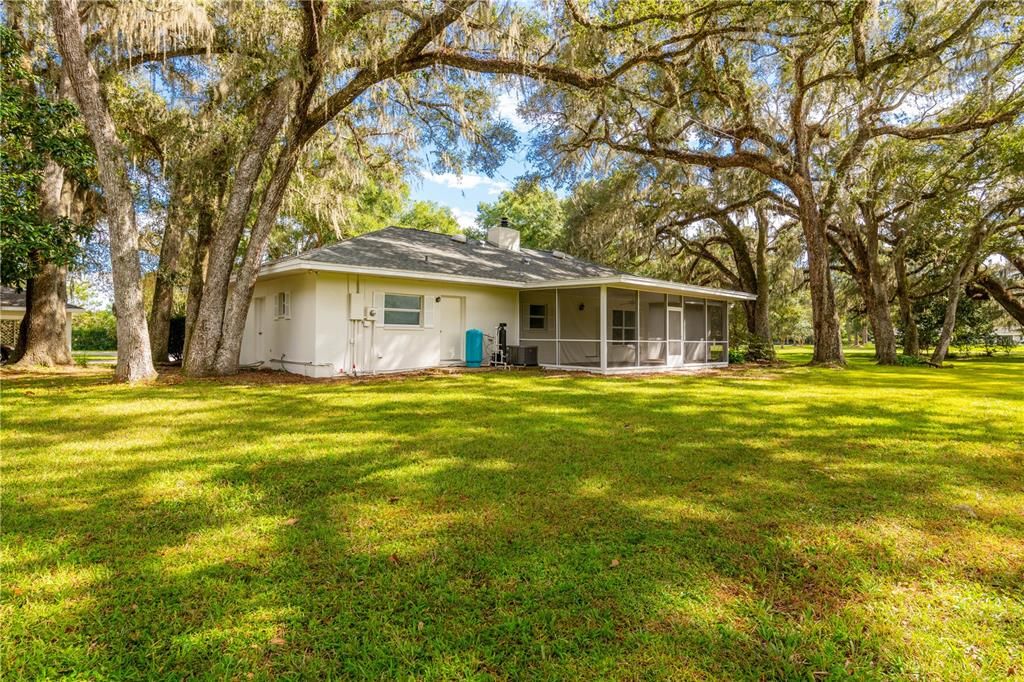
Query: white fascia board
(644, 282)
(306, 265)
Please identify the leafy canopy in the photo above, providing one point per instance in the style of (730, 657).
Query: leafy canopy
(533, 210)
(34, 129)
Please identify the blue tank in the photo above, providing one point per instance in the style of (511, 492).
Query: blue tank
(474, 347)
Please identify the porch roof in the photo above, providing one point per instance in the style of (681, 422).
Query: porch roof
(645, 284)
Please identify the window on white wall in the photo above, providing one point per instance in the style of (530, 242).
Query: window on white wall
(403, 309)
(283, 305)
(538, 316)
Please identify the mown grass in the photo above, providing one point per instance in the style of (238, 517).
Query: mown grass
(772, 523)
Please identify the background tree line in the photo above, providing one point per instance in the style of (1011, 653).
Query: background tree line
(862, 160)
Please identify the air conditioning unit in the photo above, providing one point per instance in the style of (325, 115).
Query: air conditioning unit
(371, 313)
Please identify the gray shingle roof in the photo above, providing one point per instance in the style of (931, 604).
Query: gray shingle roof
(10, 298)
(406, 249)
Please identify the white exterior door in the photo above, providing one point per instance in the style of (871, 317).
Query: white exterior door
(451, 327)
(675, 337)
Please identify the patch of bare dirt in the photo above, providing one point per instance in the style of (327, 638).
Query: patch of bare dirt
(16, 372)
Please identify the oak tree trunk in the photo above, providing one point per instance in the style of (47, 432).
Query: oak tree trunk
(749, 313)
(828, 346)
(955, 285)
(878, 303)
(197, 276)
(762, 314)
(230, 347)
(949, 319)
(134, 360)
(209, 326)
(166, 276)
(911, 339)
(42, 334)
(752, 273)
(1002, 296)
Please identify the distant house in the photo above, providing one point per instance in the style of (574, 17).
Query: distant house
(12, 309)
(1009, 329)
(401, 299)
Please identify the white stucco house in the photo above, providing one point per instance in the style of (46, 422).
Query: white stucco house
(401, 299)
(12, 309)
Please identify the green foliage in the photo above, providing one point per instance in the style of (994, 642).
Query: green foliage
(322, 210)
(94, 331)
(975, 322)
(536, 212)
(908, 360)
(791, 316)
(744, 347)
(34, 129)
(760, 349)
(430, 216)
(770, 524)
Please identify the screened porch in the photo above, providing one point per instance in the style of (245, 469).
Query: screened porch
(614, 329)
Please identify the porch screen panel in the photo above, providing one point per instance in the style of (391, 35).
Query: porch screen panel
(651, 329)
(579, 353)
(622, 328)
(545, 351)
(716, 332)
(696, 330)
(675, 332)
(537, 323)
(579, 327)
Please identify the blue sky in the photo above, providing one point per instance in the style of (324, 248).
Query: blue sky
(462, 194)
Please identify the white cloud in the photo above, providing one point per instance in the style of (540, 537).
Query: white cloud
(467, 219)
(508, 102)
(467, 182)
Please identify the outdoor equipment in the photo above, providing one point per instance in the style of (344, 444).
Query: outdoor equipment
(474, 347)
(522, 356)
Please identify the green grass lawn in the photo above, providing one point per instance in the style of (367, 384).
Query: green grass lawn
(94, 357)
(769, 523)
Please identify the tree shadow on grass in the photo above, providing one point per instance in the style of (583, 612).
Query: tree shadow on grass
(492, 526)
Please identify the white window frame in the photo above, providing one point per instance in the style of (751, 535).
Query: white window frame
(385, 310)
(530, 317)
(624, 327)
(283, 305)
